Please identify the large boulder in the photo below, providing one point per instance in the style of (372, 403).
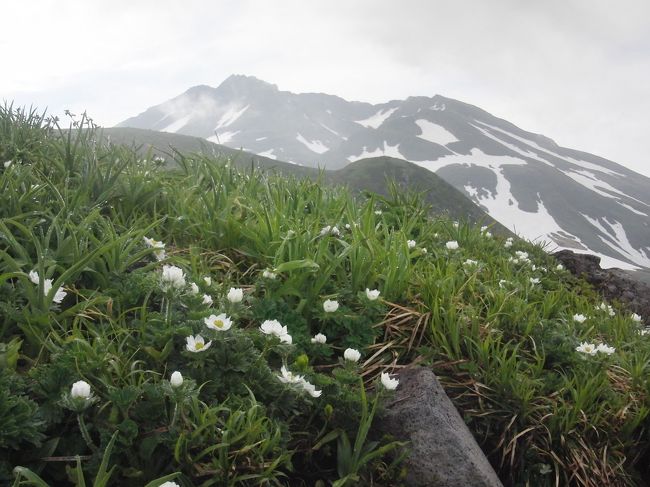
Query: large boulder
(442, 451)
(613, 284)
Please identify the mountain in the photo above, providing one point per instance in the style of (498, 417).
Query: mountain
(372, 174)
(568, 198)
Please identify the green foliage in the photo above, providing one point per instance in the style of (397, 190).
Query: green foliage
(82, 299)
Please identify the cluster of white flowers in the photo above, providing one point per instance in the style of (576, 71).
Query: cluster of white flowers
(47, 287)
(484, 231)
(378, 212)
(606, 308)
(330, 305)
(275, 328)
(592, 349)
(470, 263)
(159, 247)
(452, 245)
(172, 278)
(580, 318)
(411, 244)
(330, 230)
(534, 280)
(636, 318)
(508, 243)
(288, 377)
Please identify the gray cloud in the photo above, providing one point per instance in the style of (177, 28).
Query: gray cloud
(573, 70)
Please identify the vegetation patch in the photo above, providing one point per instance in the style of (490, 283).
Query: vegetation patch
(192, 324)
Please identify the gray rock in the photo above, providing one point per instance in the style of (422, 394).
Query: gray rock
(442, 451)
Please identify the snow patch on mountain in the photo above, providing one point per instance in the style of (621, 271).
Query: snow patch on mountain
(374, 121)
(387, 150)
(633, 210)
(521, 151)
(231, 115)
(313, 145)
(177, 124)
(223, 137)
(268, 153)
(616, 238)
(435, 133)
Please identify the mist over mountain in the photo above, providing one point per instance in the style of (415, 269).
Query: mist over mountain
(542, 191)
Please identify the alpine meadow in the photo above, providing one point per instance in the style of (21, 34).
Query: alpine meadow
(187, 319)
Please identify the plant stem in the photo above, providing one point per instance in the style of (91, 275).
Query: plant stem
(84, 433)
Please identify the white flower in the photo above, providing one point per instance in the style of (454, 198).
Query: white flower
(310, 388)
(559, 267)
(488, 235)
(159, 247)
(235, 295)
(452, 245)
(502, 282)
(424, 250)
(455, 224)
(378, 212)
(351, 355)
(176, 380)
(534, 280)
(588, 348)
(288, 377)
(330, 305)
(605, 307)
(59, 295)
(580, 318)
(219, 323)
(172, 277)
(319, 338)
(522, 255)
(545, 469)
(325, 230)
(388, 383)
(644, 331)
(335, 231)
(347, 226)
(275, 328)
(196, 344)
(470, 262)
(33, 276)
(8, 163)
(372, 295)
(169, 484)
(605, 349)
(207, 300)
(80, 389)
(484, 228)
(267, 274)
(411, 244)
(194, 289)
(636, 318)
(208, 280)
(508, 243)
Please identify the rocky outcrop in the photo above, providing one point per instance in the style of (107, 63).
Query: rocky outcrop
(442, 451)
(613, 284)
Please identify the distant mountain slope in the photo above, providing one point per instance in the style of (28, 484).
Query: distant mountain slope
(526, 181)
(366, 174)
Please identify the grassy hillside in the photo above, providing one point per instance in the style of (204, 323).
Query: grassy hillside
(372, 174)
(302, 295)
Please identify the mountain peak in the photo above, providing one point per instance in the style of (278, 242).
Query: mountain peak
(240, 83)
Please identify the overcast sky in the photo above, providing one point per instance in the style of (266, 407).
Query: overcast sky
(577, 71)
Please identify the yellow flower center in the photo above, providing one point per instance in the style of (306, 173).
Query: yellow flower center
(218, 323)
(198, 345)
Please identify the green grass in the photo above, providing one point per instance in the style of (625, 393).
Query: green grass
(76, 210)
